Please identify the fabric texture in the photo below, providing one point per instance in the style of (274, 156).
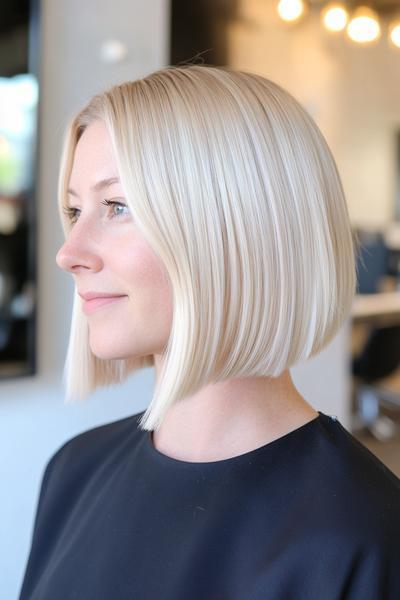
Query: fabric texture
(312, 515)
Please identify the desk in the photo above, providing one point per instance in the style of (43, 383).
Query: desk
(377, 308)
(370, 310)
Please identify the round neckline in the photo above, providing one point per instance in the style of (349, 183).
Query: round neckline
(246, 456)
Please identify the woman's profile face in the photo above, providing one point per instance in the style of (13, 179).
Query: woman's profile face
(107, 254)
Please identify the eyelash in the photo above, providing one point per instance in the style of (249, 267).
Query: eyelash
(71, 212)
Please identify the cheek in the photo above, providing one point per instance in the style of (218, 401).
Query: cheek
(147, 281)
(143, 325)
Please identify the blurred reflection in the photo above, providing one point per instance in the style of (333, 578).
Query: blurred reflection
(18, 106)
(375, 361)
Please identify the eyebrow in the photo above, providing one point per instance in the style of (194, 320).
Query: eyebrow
(100, 185)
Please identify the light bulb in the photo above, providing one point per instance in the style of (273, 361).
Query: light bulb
(335, 16)
(364, 26)
(394, 33)
(291, 10)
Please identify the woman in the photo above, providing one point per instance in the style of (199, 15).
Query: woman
(205, 204)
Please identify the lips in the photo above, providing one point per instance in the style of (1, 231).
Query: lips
(93, 304)
(93, 295)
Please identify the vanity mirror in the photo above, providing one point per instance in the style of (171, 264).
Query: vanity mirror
(19, 93)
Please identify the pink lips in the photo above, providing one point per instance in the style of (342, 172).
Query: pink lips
(90, 306)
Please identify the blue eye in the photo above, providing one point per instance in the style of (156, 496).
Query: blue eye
(72, 212)
(115, 203)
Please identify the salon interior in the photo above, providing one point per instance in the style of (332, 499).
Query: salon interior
(341, 60)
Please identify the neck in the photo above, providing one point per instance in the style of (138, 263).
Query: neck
(232, 417)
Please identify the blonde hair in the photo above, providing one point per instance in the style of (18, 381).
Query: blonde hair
(236, 190)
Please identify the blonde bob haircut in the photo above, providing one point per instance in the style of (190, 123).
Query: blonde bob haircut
(235, 188)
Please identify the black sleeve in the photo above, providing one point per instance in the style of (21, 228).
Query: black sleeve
(41, 534)
(375, 573)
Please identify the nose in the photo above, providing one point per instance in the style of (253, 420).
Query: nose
(76, 254)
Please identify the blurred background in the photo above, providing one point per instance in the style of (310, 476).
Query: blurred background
(341, 60)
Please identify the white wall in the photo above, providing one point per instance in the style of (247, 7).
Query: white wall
(34, 421)
(324, 379)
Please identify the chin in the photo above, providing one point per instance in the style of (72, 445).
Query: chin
(105, 347)
(108, 353)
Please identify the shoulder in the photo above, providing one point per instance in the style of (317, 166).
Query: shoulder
(101, 433)
(79, 462)
(359, 493)
(89, 446)
(348, 510)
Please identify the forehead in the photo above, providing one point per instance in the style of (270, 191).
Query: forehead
(93, 156)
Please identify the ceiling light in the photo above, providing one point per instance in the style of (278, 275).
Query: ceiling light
(335, 16)
(291, 10)
(364, 26)
(394, 33)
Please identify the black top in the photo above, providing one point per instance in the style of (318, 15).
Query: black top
(312, 515)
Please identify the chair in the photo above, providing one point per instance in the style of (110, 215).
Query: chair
(373, 368)
(377, 363)
(372, 261)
